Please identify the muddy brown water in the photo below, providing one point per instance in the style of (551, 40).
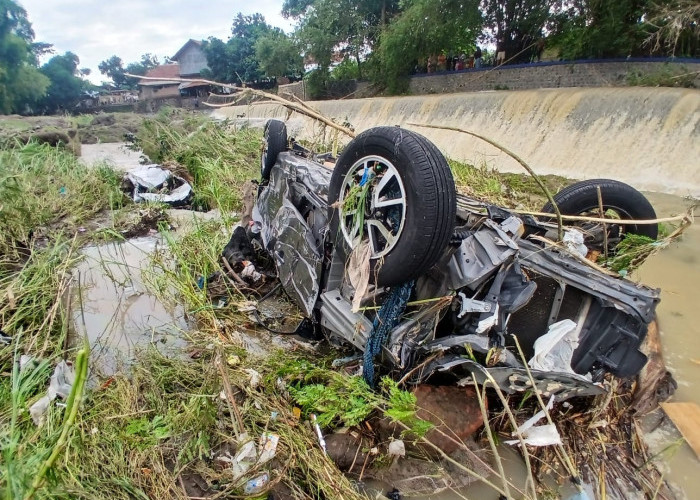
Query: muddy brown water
(116, 312)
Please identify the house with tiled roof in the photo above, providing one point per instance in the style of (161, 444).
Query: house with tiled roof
(160, 81)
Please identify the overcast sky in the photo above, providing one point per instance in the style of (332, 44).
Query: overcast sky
(96, 30)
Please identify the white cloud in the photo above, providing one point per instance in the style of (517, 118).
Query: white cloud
(96, 30)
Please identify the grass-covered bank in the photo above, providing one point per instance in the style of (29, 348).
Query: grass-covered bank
(170, 427)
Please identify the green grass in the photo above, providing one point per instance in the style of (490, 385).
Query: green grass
(47, 190)
(504, 189)
(218, 160)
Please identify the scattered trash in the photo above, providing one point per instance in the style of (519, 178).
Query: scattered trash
(247, 306)
(233, 360)
(154, 183)
(321, 441)
(296, 412)
(254, 378)
(5, 339)
(267, 447)
(60, 385)
(359, 272)
(542, 435)
(397, 448)
(554, 349)
(257, 484)
(245, 458)
(394, 494)
(573, 241)
(250, 272)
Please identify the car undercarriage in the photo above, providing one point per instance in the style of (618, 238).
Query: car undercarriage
(455, 289)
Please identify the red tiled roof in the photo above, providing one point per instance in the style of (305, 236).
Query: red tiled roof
(164, 72)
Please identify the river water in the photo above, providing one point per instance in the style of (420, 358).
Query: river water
(676, 270)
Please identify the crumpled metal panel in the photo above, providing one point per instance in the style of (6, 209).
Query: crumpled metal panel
(288, 237)
(478, 257)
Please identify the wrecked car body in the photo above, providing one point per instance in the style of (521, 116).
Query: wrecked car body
(473, 276)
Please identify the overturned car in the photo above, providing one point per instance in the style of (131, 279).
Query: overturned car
(379, 251)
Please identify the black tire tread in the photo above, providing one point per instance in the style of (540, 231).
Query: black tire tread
(583, 196)
(276, 138)
(437, 197)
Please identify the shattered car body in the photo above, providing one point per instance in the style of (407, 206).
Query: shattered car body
(498, 278)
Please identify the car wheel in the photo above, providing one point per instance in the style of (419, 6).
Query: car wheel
(274, 142)
(620, 200)
(393, 188)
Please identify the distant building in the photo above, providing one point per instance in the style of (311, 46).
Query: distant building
(191, 58)
(164, 85)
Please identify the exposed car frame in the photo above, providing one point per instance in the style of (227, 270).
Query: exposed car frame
(499, 276)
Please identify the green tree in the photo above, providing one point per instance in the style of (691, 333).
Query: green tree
(278, 55)
(21, 83)
(516, 26)
(114, 69)
(235, 61)
(425, 28)
(345, 28)
(603, 29)
(66, 86)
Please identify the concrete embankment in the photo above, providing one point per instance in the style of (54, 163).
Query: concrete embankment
(647, 137)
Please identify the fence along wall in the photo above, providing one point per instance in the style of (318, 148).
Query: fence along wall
(552, 75)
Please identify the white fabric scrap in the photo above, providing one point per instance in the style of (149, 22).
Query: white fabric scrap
(542, 435)
(358, 270)
(554, 349)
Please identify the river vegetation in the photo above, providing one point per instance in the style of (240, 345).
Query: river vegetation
(169, 426)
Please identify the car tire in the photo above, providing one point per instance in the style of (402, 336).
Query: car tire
(274, 142)
(582, 198)
(415, 182)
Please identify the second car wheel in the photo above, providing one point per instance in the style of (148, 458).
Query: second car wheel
(274, 142)
(394, 189)
(620, 201)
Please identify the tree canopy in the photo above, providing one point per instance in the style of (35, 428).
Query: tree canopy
(66, 86)
(235, 61)
(21, 83)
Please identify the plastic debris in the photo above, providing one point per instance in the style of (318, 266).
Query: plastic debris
(154, 183)
(250, 272)
(397, 448)
(60, 385)
(5, 339)
(254, 378)
(393, 494)
(573, 241)
(257, 484)
(244, 459)
(542, 435)
(267, 447)
(554, 349)
(321, 441)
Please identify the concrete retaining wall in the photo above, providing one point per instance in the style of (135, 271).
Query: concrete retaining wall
(550, 75)
(648, 137)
